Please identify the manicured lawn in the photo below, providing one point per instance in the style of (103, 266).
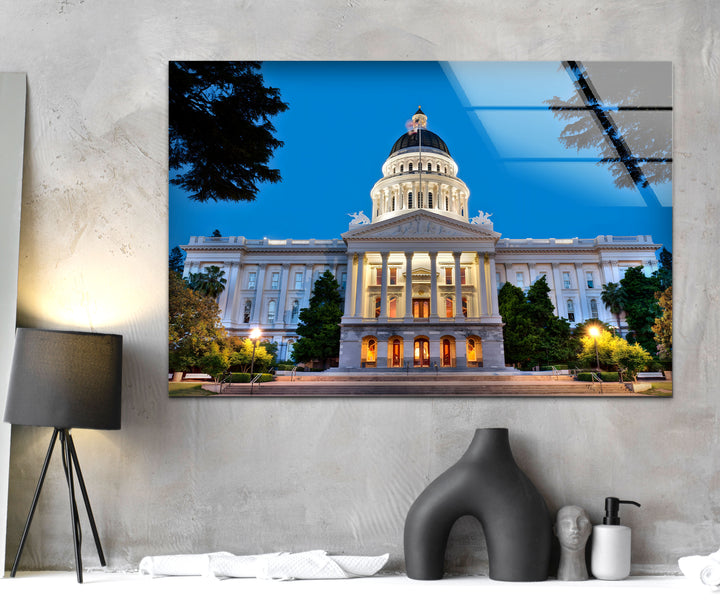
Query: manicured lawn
(188, 390)
(660, 390)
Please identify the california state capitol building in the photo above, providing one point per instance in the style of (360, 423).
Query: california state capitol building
(420, 274)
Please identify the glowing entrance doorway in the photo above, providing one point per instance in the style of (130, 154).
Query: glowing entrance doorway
(421, 353)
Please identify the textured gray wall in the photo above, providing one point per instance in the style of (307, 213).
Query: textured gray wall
(254, 476)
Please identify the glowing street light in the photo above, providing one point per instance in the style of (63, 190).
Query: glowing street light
(595, 333)
(255, 334)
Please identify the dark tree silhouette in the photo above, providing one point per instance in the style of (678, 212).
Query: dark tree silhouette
(319, 326)
(221, 137)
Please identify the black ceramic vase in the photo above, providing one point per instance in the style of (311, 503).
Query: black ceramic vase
(485, 483)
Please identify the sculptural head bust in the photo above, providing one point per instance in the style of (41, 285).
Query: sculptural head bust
(572, 527)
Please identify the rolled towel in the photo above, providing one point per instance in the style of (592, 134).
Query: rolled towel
(315, 564)
(177, 565)
(706, 569)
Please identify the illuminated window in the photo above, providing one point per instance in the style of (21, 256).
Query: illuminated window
(396, 353)
(393, 276)
(463, 276)
(448, 275)
(571, 310)
(465, 306)
(471, 351)
(371, 355)
(377, 306)
(449, 307)
(392, 307)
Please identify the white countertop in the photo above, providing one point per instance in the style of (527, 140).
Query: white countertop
(133, 587)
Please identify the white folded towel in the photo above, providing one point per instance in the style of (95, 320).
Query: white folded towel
(315, 564)
(706, 569)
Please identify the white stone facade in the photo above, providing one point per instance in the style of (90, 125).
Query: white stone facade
(420, 277)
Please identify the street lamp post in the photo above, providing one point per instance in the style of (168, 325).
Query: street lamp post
(595, 333)
(254, 336)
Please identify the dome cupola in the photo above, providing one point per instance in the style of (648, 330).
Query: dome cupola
(419, 173)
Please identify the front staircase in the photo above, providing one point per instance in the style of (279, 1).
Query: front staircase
(428, 384)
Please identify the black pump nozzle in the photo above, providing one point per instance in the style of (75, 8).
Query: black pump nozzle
(612, 507)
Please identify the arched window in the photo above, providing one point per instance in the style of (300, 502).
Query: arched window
(410, 202)
(371, 354)
(593, 308)
(471, 351)
(446, 170)
(437, 168)
(430, 204)
(247, 311)
(295, 309)
(272, 311)
(397, 356)
(447, 203)
(410, 166)
(394, 169)
(571, 310)
(429, 166)
(402, 168)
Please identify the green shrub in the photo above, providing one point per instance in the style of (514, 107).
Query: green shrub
(244, 377)
(556, 366)
(608, 377)
(286, 367)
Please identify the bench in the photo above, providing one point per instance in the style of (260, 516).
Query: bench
(197, 376)
(659, 375)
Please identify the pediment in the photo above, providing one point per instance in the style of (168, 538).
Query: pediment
(421, 225)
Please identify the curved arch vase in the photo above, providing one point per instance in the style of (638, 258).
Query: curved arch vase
(488, 484)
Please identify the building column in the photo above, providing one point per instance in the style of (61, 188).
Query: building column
(257, 302)
(360, 285)
(482, 285)
(408, 285)
(231, 297)
(557, 287)
(493, 308)
(349, 284)
(433, 285)
(458, 287)
(533, 273)
(584, 309)
(282, 296)
(384, 286)
(307, 286)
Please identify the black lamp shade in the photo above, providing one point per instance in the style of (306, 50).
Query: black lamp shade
(65, 379)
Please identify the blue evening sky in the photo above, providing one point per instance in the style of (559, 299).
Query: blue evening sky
(345, 116)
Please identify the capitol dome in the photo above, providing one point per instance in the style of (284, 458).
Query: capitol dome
(419, 174)
(412, 141)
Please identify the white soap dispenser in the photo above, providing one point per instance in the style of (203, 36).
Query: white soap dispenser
(610, 557)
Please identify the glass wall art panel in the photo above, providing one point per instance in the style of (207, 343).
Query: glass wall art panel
(415, 229)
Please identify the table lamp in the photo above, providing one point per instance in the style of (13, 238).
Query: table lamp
(65, 380)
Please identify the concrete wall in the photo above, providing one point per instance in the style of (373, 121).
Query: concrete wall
(254, 476)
